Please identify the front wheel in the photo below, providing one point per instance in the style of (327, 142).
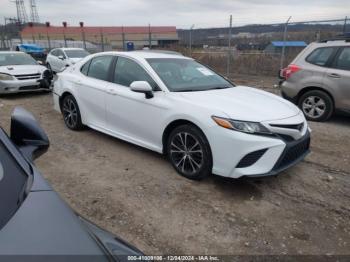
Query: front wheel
(316, 105)
(189, 152)
(71, 113)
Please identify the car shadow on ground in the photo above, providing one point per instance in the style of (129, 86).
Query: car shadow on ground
(340, 119)
(15, 96)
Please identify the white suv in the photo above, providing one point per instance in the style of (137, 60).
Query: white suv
(58, 59)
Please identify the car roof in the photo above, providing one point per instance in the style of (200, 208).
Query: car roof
(147, 54)
(70, 48)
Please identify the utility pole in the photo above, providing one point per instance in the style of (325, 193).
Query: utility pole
(284, 42)
(345, 24)
(191, 30)
(229, 49)
(149, 36)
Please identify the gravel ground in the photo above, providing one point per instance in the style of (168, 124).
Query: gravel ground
(137, 195)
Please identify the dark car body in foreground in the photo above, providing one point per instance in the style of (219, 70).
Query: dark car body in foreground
(35, 223)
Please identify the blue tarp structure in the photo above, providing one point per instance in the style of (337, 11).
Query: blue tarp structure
(30, 48)
(289, 44)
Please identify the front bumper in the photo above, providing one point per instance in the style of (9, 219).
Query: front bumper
(19, 86)
(237, 154)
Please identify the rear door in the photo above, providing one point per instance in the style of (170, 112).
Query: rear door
(91, 86)
(338, 76)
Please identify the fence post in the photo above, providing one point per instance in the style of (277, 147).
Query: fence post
(229, 49)
(149, 36)
(47, 34)
(83, 33)
(191, 30)
(123, 38)
(64, 33)
(284, 42)
(102, 41)
(345, 24)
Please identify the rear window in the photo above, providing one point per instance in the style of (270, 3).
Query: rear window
(321, 56)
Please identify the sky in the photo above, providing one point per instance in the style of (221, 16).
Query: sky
(180, 13)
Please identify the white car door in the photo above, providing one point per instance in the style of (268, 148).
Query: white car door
(91, 87)
(130, 115)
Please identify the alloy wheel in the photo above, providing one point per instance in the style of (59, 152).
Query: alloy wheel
(186, 153)
(314, 106)
(70, 112)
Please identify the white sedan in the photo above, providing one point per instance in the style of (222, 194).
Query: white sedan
(60, 58)
(19, 72)
(176, 106)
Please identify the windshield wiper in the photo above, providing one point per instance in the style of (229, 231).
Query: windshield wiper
(219, 87)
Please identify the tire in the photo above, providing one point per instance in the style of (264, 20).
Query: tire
(316, 105)
(71, 113)
(49, 68)
(189, 152)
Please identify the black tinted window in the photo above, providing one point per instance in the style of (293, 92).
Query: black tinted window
(320, 56)
(128, 71)
(85, 68)
(99, 67)
(12, 182)
(343, 60)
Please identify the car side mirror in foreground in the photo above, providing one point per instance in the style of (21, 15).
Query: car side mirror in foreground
(142, 87)
(27, 134)
(61, 57)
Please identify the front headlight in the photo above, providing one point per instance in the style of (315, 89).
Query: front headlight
(241, 126)
(5, 77)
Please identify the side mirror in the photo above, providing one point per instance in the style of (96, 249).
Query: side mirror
(40, 62)
(61, 57)
(27, 134)
(142, 87)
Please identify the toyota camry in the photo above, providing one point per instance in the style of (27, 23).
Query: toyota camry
(176, 106)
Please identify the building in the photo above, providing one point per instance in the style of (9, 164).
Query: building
(115, 37)
(290, 46)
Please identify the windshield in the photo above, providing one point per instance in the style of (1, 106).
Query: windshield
(9, 59)
(77, 53)
(185, 75)
(12, 183)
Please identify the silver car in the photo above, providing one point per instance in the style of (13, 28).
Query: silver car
(318, 80)
(19, 72)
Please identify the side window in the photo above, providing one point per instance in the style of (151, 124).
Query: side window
(320, 56)
(128, 71)
(60, 53)
(99, 67)
(54, 52)
(85, 68)
(343, 60)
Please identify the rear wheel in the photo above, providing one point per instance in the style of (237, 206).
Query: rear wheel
(316, 105)
(71, 113)
(189, 152)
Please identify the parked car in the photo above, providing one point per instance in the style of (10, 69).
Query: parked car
(174, 105)
(35, 223)
(19, 72)
(37, 52)
(59, 59)
(318, 80)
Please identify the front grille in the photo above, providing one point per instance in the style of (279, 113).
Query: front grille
(293, 152)
(251, 159)
(295, 127)
(28, 77)
(286, 138)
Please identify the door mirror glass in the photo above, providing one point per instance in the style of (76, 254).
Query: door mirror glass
(27, 134)
(61, 57)
(142, 87)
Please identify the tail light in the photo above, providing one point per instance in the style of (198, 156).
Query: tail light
(289, 71)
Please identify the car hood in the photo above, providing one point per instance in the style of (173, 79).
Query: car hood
(22, 69)
(244, 103)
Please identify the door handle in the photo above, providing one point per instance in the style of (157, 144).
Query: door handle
(333, 75)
